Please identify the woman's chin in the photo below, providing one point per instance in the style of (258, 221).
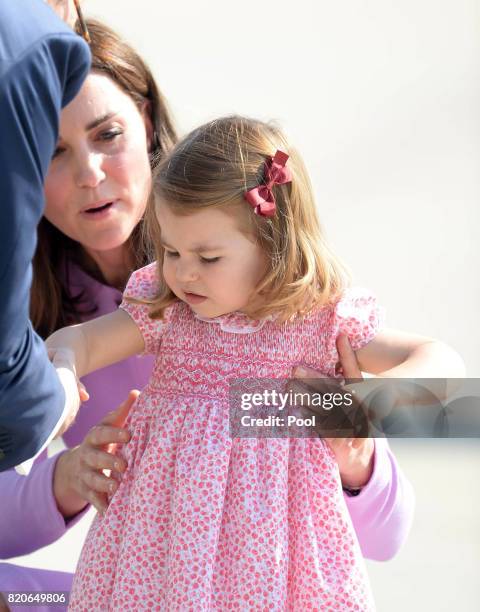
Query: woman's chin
(106, 241)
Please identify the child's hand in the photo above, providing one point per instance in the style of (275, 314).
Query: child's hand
(79, 476)
(355, 459)
(354, 455)
(75, 392)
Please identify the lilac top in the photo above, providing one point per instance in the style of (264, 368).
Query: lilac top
(381, 514)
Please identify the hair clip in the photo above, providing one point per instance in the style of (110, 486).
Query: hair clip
(81, 21)
(261, 198)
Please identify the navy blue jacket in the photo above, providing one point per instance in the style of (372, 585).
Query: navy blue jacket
(42, 66)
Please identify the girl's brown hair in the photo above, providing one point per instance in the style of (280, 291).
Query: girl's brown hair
(213, 166)
(52, 304)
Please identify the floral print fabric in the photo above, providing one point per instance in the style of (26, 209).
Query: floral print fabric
(204, 522)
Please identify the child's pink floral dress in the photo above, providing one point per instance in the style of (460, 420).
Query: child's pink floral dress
(202, 521)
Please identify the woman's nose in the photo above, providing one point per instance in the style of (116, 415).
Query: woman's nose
(89, 170)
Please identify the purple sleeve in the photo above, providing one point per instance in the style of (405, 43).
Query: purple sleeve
(18, 579)
(30, 517)
(382, 513)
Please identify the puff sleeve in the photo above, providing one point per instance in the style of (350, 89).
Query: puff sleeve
(356, 314)
(142, 285)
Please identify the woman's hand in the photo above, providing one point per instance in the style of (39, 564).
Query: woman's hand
(354, 455)
(79, 478)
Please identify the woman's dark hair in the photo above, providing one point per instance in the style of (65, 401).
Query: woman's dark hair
(52, 304)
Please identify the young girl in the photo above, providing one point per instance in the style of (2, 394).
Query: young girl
(244, 287)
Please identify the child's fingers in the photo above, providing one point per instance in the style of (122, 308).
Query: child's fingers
(82, 392)
(357, 443)
(306, 372)
(348, 360)
(337, 444)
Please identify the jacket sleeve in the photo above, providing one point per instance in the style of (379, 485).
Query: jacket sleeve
(382, 513)
(42, 66)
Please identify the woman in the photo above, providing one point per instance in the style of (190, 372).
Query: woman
(89, 241)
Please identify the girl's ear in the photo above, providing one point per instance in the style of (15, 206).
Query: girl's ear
(146, 112)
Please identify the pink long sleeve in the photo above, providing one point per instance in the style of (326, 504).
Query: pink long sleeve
(382, 513)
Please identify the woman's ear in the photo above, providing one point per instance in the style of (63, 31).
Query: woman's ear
(146, 111)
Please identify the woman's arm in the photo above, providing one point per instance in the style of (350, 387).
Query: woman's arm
(397, 354)
(20, 579)
(96, 344)
(39, 508)
(382, 513)
(30, 518)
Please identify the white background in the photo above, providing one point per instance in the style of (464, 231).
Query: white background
(382, 98)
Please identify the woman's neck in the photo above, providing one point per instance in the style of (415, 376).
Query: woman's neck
(113, 267)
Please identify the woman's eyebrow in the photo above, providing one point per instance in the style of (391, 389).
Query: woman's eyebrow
(99, 120)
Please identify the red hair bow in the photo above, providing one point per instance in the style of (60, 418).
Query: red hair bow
(261, 198)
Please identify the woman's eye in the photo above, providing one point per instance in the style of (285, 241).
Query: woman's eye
(209, 259)
(110, 134)
(58, 151)
(171, 254)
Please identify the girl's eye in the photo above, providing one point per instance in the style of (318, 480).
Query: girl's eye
(171, 254)
(110, 134)
(209, 259)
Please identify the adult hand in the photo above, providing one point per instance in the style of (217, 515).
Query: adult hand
(354, 455)
(79, 476)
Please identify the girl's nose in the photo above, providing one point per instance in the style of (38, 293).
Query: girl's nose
(186, 272)
(89, 171)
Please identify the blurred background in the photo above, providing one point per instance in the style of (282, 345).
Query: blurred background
(382, 99)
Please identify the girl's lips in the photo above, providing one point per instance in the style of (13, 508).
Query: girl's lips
(194, 298)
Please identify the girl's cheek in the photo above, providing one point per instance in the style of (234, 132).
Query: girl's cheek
(167, 272)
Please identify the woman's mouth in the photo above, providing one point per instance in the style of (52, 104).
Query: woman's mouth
(98, 209)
